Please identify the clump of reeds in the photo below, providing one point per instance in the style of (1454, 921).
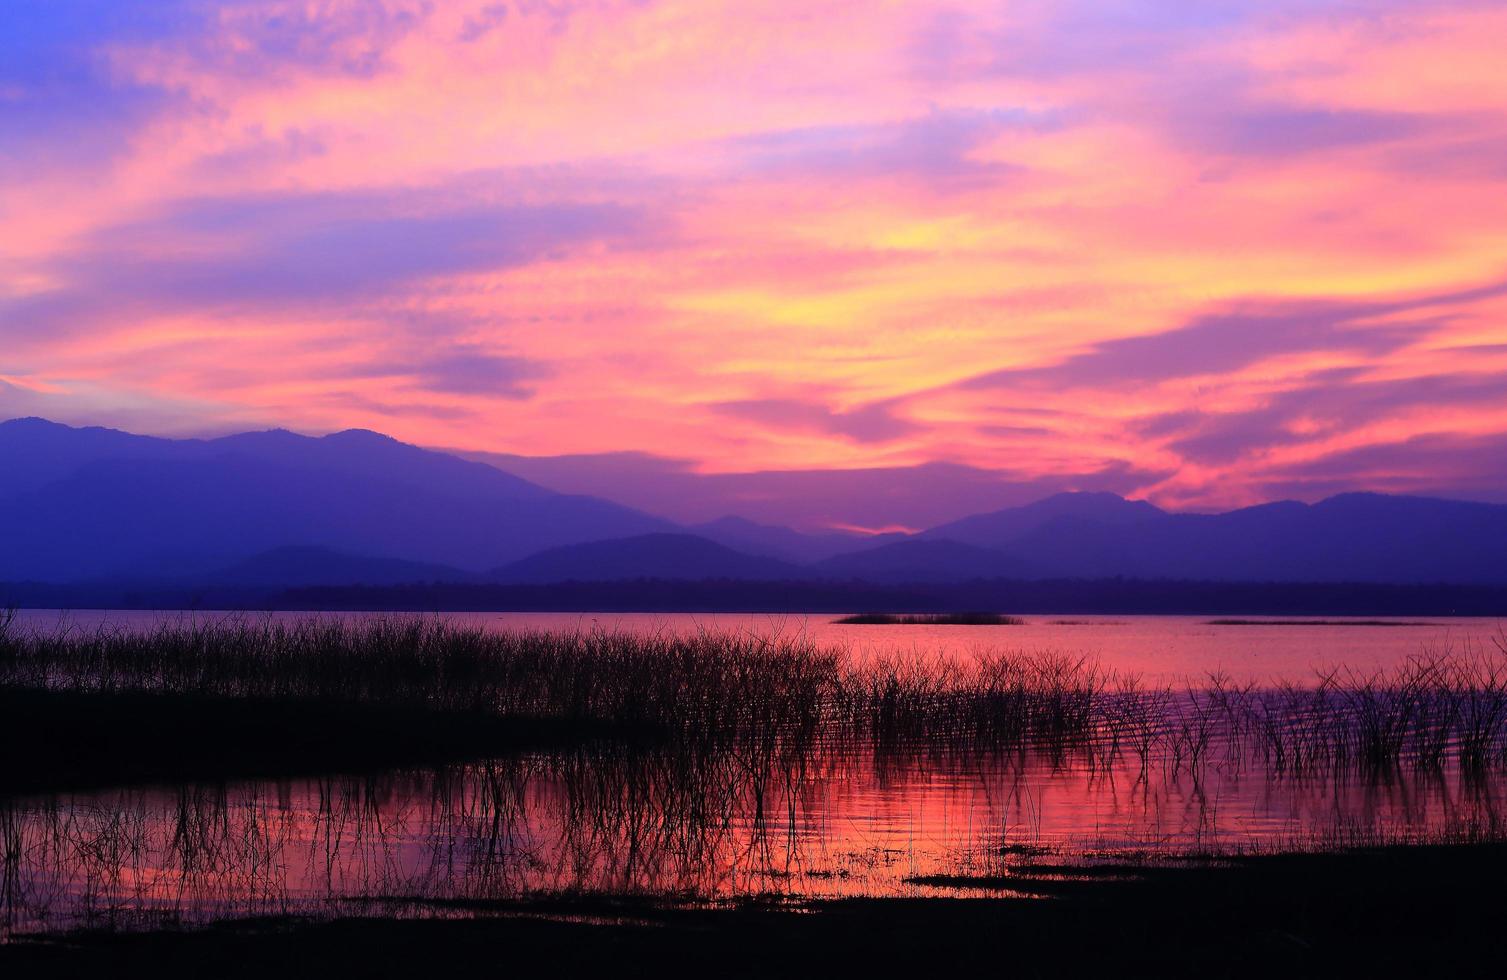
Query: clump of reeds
(704, 686)
(779, 701)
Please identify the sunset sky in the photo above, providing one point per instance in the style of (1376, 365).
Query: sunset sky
(1208, 253)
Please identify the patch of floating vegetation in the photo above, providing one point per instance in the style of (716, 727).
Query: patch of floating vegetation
(930, 619)
(1085, 622)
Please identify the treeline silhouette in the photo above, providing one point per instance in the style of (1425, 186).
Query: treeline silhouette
(1098, 596)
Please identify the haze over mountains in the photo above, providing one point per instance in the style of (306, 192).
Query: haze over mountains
(277, 509)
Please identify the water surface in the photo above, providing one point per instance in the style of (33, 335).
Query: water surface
(830, 817)
(1161, 649)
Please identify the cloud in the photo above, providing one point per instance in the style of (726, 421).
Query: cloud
(1472, 151)
(276, 37)
(258, 150)
(868, 423)
(483, 23)
(1330, 403)
(1198, 241)
(1092, 38)
(284, 250)
(470, 371)
(390, 409)
(937, 146)
(1220, 343)
(1443, 464)
(1266, 131)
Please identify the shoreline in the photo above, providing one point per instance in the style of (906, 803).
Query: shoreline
(1429, 909)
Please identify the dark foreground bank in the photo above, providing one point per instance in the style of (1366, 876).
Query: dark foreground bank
(1409, 911)
(55, 741)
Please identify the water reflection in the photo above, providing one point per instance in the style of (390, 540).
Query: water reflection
(802, 817)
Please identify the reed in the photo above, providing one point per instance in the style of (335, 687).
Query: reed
(778, 701)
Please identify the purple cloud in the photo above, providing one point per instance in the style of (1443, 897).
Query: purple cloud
(1466, 467)
(1334, 401)
(875, 422)
(292, 249)
(1276, 131)
(1224, 342)
(489, 19)
(267, 39)
(469, 371)
(935, 146)
(435, 365)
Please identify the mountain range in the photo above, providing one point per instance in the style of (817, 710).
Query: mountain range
(275, 508)
(95, 503)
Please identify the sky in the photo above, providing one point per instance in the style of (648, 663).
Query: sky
(1205, 253)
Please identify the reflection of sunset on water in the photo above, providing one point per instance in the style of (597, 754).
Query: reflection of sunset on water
(536, 827)
(818, 773)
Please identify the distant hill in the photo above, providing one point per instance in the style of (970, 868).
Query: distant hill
(303, 567)
(783, 543)
(647, 556)
(37, 452)
(1355, 537)
(1001, 528)
(279, 509)
(362, 454)
(92, 503)
(924, 561)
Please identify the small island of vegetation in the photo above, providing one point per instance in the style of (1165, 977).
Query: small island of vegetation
(930, 619)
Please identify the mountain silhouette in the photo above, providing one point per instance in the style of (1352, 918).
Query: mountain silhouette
(277, 508)
(773, 541)
(1003, 527)
(37, 452)
(91, 503)
(300, 567)
(923, 560)
(646, 556)
(1353, 537)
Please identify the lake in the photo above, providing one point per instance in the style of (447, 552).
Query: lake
(1183, 765)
